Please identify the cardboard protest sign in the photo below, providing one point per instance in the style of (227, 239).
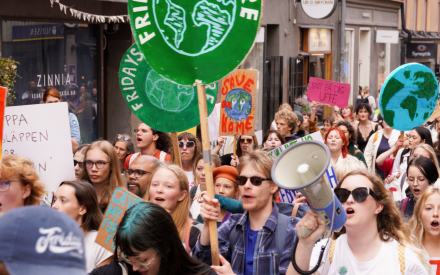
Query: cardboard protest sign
(409, 96)
(239, 95)
(121, 201)
(191, 40)
(289, 195)
(157, 102)
(41, 133)
(3, 93)
(328, 92)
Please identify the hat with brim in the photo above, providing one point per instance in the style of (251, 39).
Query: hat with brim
(227, 172)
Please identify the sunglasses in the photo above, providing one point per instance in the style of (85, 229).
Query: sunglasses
(80, 164)
(257, 181)
(120, 137)
(359, 194)
(245, 140)
(188, 144)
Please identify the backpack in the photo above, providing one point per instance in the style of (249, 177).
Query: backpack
(192, 192)
(363, 100)
(280, 232)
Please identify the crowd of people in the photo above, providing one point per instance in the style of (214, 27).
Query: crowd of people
(388, 186)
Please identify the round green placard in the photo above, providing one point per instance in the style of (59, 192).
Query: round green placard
(159, 103)
(189, 40)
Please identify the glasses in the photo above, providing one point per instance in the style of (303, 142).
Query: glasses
(413, 180)
(145, 266)
(120, 137)
(79, 163)
(99, 164)
(257, 181)
(245, 140)
(359, 194)
(189, 144)
(6, 184)
(137, 173)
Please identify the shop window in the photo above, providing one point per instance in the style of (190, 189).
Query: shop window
(348, 60)
(383, 63)
(60, 56)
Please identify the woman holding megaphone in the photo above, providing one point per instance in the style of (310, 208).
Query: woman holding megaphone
(374, 240)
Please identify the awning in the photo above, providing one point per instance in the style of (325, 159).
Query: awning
(306, 26)
(421, 35)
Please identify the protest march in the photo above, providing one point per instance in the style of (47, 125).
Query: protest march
(205, 159)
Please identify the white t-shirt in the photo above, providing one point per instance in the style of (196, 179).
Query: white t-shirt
(386, 261)
(95, 254)
(195, 206)
(190, 177)
(435, 265)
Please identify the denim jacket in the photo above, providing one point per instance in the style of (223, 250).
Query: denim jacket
(267, 260)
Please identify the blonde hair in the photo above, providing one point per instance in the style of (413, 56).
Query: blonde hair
(430, 150)
(285, 106)
(390, 224)
(24, 169)
(347, 165)
(290, 118)
(216, 162)
(115, 179)
(181, 214)
(366, 89)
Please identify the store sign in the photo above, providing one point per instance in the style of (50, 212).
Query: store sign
(319, 9)
(421, 50)
(320, 41)
(37, 32)
(383, 36)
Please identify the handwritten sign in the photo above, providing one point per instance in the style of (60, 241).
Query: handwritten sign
(3, 93)
(121, 201)
(289, 195)
(41, 133)
(329, 92)
(239, 95)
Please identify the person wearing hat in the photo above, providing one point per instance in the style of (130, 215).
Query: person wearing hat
(39, 240)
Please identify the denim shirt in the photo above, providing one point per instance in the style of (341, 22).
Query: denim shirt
(267, 260)
(74, 128)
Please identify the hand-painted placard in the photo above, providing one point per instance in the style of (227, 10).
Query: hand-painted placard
(329, 92)
(189, 40)
(239, 95)
(121, 201)
(3, 93)
(289, 195)
(157, 102)
(41, 133)
(409, 96)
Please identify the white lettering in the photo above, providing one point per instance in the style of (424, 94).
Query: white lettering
(248, 13)
(39, 79)
(135, 53)
(132, 97)
(125, 83)
(128, 71)
(129, 59)
(146, 38)
(136, 107)
(142, 21)
(58, 242)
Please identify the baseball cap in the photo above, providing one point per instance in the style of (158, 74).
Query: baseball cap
(299, 115)
(39, 240)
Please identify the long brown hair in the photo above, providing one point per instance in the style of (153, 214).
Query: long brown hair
(198, 145)
(254, 145)
(115, 179)
(86, 196)
(216, 162)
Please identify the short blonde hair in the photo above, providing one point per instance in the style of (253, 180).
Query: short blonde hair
(347, 165)
(290, 118)
(366, 89)
(24, 169)
(285, 106)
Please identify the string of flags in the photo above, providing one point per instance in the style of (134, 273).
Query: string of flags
(90, 17)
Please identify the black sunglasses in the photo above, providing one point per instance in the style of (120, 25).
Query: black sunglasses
(80, 164)
(359, 194)
(247, 140)
(257, 181)
(189, 144)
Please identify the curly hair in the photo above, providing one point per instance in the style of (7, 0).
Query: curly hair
(290, 118)
(24, 169)
(164, 142)
(353, 134)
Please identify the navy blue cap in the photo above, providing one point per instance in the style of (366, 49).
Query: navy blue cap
(39, 240)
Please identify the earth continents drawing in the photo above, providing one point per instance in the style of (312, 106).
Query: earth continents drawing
(240, 104)
(409, 96)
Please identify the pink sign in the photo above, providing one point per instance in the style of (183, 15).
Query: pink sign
(328, 92)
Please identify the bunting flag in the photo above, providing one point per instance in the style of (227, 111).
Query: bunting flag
(90, 17)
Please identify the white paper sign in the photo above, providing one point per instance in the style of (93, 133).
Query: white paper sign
(385, 36)
(214, 123)
(41, 133)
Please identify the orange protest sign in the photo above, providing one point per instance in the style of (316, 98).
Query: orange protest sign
(239, 95)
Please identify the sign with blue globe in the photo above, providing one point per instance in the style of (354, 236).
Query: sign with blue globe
(189, 40)
(157, 102)
(409, 96)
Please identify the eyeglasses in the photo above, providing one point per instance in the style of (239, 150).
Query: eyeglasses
(145, 266)
(359, 194)
(79, 163)
(6, 184)
(99, 164)
(412, 180)
(245, 140)
(120, 137)
(189, 144)
(138, 173)
(257, 181)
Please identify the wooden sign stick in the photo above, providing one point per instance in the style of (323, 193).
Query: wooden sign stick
(209, 181)
(235, 145)
(176, 150)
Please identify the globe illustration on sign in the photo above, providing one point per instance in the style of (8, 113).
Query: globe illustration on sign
(164, 94)
(208, 20)
(409, 96)
(239, 104)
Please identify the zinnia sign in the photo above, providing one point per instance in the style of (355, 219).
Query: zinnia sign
(319, 9)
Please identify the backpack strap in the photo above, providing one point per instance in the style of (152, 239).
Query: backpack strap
(402, 259)
(375, 137)
(357, 151)
(404, 203)
(332, 250)
(295, 209)
(281, 231)
(193, 191)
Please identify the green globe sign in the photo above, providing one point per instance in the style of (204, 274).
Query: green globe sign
(189, 40)
(159, 103)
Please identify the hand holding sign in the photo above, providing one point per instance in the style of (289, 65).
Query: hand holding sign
(328, 92)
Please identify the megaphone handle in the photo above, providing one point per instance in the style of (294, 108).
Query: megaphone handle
(305, 232)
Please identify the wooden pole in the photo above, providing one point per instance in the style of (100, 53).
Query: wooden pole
(209, 181)
(235, 145)
(177, 159)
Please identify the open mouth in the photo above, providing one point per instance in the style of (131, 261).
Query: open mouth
(139, 139)
(416, 190)
(350, 211)
(160, 199)
(435, 225)
(247, 197)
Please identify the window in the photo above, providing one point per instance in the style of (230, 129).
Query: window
(383, 63)
(60, 56)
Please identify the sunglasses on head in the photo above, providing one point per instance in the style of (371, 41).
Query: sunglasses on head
(359, 194)
(80, 164)
(247, 140)
(120, 137)
(189, 144)
(257, 181)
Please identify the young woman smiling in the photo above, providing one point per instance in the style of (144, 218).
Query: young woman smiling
(190, 147)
